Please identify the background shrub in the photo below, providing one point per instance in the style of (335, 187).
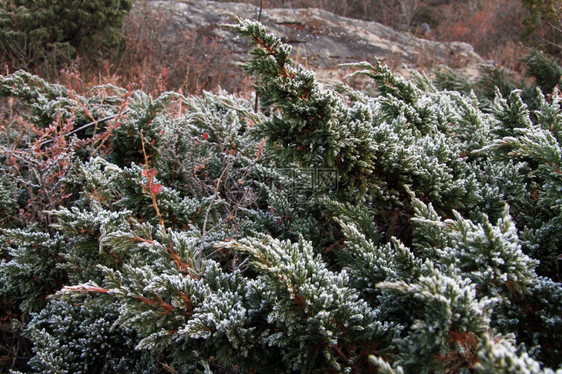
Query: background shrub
(43, 36)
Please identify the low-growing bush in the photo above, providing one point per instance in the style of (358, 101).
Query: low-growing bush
(413, 231)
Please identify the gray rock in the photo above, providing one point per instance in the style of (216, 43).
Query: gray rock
(320, 40)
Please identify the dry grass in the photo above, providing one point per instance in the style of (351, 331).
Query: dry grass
(198, 61)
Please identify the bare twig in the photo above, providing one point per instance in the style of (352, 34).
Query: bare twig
(215, 195)
(88, 125)
(151, 190)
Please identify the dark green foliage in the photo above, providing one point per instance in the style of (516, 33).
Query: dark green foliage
(538, 149)
(533, 319)
(83, 339)
(543, 24)
(405, 232)
(28, 259)
(43, 34)
(544, 69)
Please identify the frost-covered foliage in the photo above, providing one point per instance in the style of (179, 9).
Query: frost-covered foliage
(406, 232)
(83, 339)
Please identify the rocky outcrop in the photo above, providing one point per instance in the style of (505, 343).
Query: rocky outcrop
(320, 39)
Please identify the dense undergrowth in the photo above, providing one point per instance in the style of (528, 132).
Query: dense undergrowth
(416, 230)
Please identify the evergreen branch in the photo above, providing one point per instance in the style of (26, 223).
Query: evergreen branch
(182, 266)
(159, 302)
(271, 55)
(389, 84)
(153, 189)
